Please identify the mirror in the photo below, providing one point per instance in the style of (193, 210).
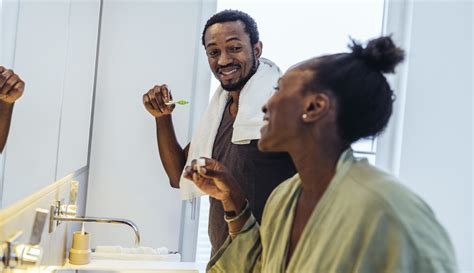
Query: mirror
(52, 46)
(51, 126)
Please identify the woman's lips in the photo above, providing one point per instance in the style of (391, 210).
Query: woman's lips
(264, 126)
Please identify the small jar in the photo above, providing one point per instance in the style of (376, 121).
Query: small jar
(80, 252)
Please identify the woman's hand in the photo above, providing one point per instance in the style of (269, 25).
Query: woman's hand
(211, 177)
(215, 179)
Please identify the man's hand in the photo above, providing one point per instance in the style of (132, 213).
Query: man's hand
(154, 101)
(11, 86)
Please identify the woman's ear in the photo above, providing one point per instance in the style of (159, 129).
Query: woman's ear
(316, 107)
(258, 47)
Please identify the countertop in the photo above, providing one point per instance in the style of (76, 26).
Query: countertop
(137, 265)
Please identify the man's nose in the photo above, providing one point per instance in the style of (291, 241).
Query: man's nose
(224, 59)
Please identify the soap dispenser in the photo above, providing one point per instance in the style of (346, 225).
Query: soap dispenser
(80, 252)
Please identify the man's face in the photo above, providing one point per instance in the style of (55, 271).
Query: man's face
(231, 56)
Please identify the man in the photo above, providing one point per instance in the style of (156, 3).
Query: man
(231, 125)
(11, 89)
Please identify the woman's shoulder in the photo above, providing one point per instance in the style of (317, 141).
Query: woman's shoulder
(380, 195)
(371, 193)
(379, 186)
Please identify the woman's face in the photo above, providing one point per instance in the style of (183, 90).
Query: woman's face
(283, 113)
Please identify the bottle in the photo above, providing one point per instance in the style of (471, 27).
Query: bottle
(80, 252)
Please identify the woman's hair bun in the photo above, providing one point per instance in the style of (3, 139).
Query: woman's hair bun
(380, 53)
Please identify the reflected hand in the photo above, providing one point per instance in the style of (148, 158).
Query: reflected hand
(212, 178)
(11, 86)
(154, 101)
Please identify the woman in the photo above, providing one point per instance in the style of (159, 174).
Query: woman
(337, 214)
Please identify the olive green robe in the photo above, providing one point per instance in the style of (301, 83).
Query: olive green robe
(365, 222)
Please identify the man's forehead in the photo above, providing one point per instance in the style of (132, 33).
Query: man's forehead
(232, 30)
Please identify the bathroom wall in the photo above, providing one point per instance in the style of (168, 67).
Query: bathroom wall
(142, 43)
(472, 131)
(429, 144)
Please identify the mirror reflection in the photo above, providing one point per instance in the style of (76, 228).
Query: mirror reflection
(12, 87)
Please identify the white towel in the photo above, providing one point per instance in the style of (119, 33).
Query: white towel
(175, 257)
(247, 124)
(132, 250)
(134, 254)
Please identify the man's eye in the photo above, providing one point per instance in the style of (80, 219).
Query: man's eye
(235, 48)
(212, 53)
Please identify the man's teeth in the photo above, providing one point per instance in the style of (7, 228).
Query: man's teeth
(226, 73)
(265, 122)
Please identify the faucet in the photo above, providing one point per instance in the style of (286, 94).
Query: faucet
(102, 220)
(14, 255)
(62, 213)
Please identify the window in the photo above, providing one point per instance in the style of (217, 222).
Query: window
(292, 31)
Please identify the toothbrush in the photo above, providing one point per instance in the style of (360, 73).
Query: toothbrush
(181, 102)
(83, 230)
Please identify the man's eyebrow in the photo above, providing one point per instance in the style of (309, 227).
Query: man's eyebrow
(233, 39)
(228, 40)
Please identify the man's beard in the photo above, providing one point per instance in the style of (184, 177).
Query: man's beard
(241, 83)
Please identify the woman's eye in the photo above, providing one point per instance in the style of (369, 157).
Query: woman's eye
(276, 88)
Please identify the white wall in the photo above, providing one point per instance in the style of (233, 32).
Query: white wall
(435, 126)
(472, 125)
(8, 24)
(142, 43)
(32, 145)
(54, 53)
(79, 75)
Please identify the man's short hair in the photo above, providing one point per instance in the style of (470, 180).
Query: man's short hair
(230, 15)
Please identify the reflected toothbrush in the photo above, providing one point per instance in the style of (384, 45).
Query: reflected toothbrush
(180, 102)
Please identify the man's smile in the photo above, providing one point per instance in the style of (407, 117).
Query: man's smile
(228, 72)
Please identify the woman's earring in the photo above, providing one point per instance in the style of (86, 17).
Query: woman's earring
(305, 116)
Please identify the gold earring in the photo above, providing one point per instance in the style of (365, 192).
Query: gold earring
(305, 116)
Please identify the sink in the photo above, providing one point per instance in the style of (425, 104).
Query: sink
(105, 262)
(121, 266)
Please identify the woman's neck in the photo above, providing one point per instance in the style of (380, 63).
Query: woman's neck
(316, 164)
